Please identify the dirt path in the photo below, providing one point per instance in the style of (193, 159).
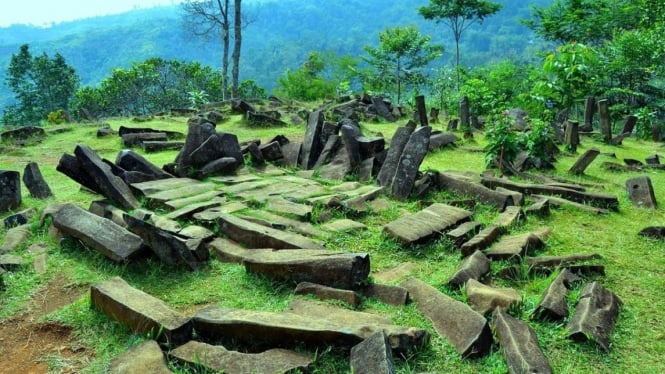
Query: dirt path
(29, 346)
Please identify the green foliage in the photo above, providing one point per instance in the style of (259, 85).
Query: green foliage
(539, 140)
(502, 141)
(307, 83)
(646, 119)
(249, 89)
(398, 61)
(57, 117)
(567, 76)
(585, 21)
(458, 15)
(41, 85)
(151, 86)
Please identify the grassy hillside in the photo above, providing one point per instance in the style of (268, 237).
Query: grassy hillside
(634, 265)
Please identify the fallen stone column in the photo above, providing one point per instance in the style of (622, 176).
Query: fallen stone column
(554, 303)
(500, 200)
(465, 329)
(595, 315)
(140, 311)
(520, 345)
(372, 356)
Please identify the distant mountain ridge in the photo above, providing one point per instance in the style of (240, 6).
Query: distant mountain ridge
(280, 37)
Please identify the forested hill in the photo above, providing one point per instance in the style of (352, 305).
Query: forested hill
(279, 37)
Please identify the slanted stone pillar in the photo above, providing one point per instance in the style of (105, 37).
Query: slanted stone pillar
(605, 125)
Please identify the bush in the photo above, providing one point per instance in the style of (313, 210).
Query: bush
(56, 117)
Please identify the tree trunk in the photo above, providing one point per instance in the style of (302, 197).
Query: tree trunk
(237, 30)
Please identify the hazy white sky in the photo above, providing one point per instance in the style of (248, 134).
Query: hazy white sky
(44, 12)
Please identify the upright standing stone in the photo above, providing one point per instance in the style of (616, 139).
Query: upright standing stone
(397, 144)
(422, 111)
(464, 115)
(350, 135)
(409, 163)
(198, 131)
(10, 190)
(584, 161)
(604, 115)
(372, 356)
(382, 108)
(589, 111)
(312, 146)
(465, 329)
(640, 192)
(629, 124)
(520, 345)
(572, 136)
(32, 177)
(132, 161)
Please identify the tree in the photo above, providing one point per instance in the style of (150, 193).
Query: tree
(398, 60)
(458, 15)
(41, 85)
(589, 22)
(206, 17)
(307, 83)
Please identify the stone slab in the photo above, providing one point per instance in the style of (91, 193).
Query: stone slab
(372, 356)
(146, 357)
(520, 345)
(484, 299)
(426, 223)
(253, 235)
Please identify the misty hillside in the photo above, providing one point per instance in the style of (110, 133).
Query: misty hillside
(279, 37)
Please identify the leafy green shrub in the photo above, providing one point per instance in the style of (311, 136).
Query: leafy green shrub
(502, 142)
(538, 141)
(56, 117)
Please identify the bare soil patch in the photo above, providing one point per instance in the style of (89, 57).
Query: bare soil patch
(28, 346)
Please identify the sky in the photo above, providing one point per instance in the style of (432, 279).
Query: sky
(45, 12)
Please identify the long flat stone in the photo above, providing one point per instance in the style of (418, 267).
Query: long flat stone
(304, 228)
(283, 206)
(179, 203)
(481, 240)
(253, 235)
(153, 187)
(520, 345)
(514, 246)
(556, 261)
(391, 295)
(554, 303)
(218, 210)
(463, 232)
(191, 209)
(160, 198)
(426, 223)
(140, 311)
(227, 250)
(166, 246)
(465, 329)
(328, 293)
(595, 315)
(14, 237)
(111, 186)
(484, 299)
(110, 239)
(335, 269)
(270, 329)
(146, 357)
(218, 358)
(472, 267)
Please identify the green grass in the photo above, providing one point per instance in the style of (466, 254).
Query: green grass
(634, 265)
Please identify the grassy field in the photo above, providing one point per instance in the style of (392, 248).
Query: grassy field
(635, 266)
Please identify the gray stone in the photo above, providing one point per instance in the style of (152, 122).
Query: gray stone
(218, 358)
(595, 315)
(199, 130)
(327, 293)
(146, 357)
(465, 329)
(19, 218)
(520, 345)
(10, 190)
(441, 140)
(256, 155)
(291, 152)
(254, 235)
(337, 328)
(110, 239)
(554, 303)
(640, 192)
(228, 251)
(484, 299)
(168, 248)
(139, 311)
(106, 210)
(399, 272)
(329, 149)
(220, 165)
(196, 232)
(312, 145)
(382, 108)
(515, 246)
(604, 119)
(39, 264)
(344, 225)
(584, 161)
(182, 202)
(350, 135)
(155, 146)
(455, 184)
(474, 266)
(283, 206)
(481, 240)
(509, 218)
(409, 163)
(391, 295)
(338, 168)
(373, 356)
(370, 146)
(540, 208)
(426, 224)
(556, 261)
(153, 187)
(35, 183)
(334, 269)
(463, 232)
(193, 188)
(397, 144)
(111, 186)
(134, 139)
(11, 262)
(271, 151)
(132, 161)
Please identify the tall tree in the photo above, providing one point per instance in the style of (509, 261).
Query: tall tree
(399, 58)
(458, 15)
(41, 85)
(209, 17)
